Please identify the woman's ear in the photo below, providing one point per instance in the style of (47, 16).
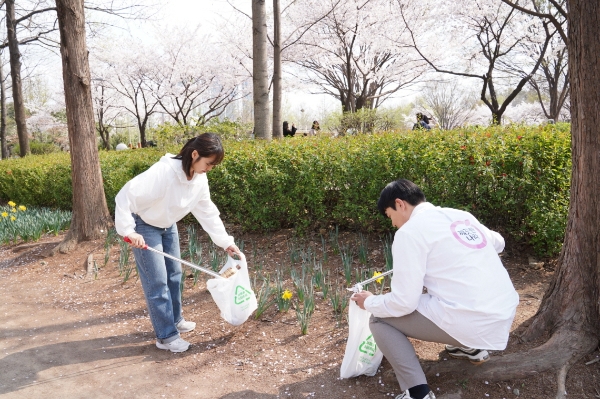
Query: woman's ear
(195, 155)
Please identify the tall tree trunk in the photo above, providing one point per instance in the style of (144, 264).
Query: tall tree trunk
(260, 73)
(15, 73)
(571, 302)
(3, 145)
(90, 213)
(570, 309)
(277, 122)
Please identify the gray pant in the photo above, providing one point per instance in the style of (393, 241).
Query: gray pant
(391, 334)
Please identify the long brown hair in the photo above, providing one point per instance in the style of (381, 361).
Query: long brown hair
(207, 145)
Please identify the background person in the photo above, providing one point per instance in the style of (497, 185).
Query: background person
(315, 128)
(147, 210)
(287, 132)
(449, 286)
(422, 122)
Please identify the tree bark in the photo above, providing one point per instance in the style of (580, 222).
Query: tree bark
(90, 213)
(15, 72)
(3, 145)
(260, 73)
(277, 122)
(572, 298)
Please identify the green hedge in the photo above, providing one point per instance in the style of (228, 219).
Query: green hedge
(515, 179)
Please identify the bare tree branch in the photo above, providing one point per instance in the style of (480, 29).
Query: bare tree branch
(550, 17)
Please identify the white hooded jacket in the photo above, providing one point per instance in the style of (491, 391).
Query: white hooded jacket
(469, 293)
(162, 196)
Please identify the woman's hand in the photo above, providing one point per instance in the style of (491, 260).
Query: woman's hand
(233, 250)
(137, 240)
(359, 298)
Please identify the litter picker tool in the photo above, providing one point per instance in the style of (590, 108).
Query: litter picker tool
(193, 266)
(358, 287)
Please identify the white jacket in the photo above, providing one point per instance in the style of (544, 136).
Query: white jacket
(162, 196)
(469, 293)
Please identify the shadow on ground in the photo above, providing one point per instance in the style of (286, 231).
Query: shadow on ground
(22, 369)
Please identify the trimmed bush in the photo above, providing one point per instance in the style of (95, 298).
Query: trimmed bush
(514, 179)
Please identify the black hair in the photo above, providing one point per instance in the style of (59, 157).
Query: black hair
(207, 145)
(402, 189)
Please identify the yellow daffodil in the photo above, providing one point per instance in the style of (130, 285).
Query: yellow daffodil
(13, 209)
(379, 280)
(287, 295)
(22, 208)
(12, 218)
(4, 214)
(10, 203)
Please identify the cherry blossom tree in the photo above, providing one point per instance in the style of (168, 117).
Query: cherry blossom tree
(450, 106)
(490, 40)
(294, 30)
(104, 111)
(552, 82)
(357, 53)
(126, 79)
(195, 86)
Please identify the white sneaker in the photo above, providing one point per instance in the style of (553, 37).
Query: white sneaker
(405, 395)
(185, 326)
(178, 345)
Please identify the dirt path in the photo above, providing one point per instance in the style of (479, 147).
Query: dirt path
(63, 335)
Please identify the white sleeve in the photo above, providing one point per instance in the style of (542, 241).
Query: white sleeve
(493, 237)
(207, 214)
(410, 261)
(138, 194)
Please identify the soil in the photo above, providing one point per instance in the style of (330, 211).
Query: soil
(67, 333)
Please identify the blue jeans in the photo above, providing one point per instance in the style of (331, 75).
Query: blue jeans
(160, 277)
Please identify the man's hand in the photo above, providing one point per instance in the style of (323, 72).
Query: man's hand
(360, 297)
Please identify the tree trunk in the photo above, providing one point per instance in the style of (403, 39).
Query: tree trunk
(260, 73)
(570, 310)
(277, 122)
(103, 130)
(90, 213)
(15, 73)
(571, 302)
(142, 129)
(3, 145)
(496, 119)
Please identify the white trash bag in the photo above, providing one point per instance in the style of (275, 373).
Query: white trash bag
(362, 355)
(233, 295)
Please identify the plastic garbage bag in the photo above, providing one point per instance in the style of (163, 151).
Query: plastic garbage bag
(362, 355)
(233, 295)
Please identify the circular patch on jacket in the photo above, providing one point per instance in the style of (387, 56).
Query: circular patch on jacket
(469, 236)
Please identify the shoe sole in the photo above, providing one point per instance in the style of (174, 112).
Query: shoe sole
(476, 362)
(186, 331)
(172, 350)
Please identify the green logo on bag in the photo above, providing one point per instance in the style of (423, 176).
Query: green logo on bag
(241, 295)
(368, 346)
